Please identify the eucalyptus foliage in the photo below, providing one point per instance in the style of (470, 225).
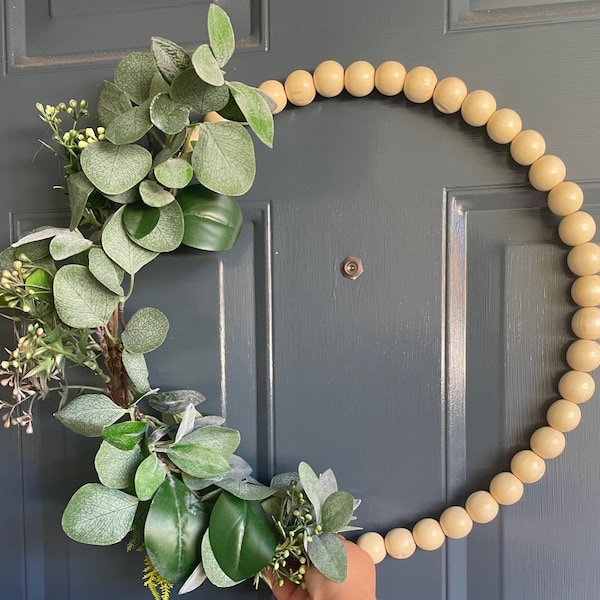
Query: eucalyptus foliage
(150, 176)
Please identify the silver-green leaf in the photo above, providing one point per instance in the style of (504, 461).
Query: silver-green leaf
(107, 272)
(213, 571)
(174, 173)
(112, 102)
(89, 414)
(145, 331)
(79, 188)
(149, 476)
(206, 66)
(222, 440)
(220, 34)
(116, 468)
(130, 126)
(169, 116)
(70, 243)
(188, 89)
(167, 234)
(255, 109)
(312, 488)
(327, 553)
(154, 194)
(171, 59)
(135, 365)
(134, 75)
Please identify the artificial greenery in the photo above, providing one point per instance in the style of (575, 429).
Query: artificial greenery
(151, 175)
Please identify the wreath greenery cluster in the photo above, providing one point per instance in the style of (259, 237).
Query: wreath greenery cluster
(150, 177)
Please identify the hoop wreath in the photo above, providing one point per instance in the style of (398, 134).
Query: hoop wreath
(576, 229)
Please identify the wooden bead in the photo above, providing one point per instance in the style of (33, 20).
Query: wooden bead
(504, 125)
(584, 355)
(359, 78)
(527, 147)
(456, 522)
(563, 415)
(506, 488)
(482, 507)
(276, 91)
(528, 466)
(585, 290)
(586, 323)
(449, 95)
(546, 172)
(584, 259)
(478, 107)
(300, 88)
(576, 386)
(400, 543)
(389, 78)
(329, 78)
(565, 198)
(192, 137)
(373, 544)
(213, 117)
(547, 442)
(419, 84)
(428, 534)
(577, 228)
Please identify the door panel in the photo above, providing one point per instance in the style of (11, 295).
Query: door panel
(417, 381)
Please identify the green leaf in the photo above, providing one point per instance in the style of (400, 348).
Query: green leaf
(145, 331)
(175, 524)
(337, 511)
(125, 435)
(112, 102)
(211, 221)
(39, 285)
(188, 89)
(135, 365)
(174, 402)
(327, 553)
(119, 247)
(223, 158)
(242, 536)
(213, 571)
(115, 169)
(166, 235)
(158, 85)
(89, 414)
(149, 476)
(140, 219)
(171, 59)
(70, 243)
(80, 300)
(220, 34)
(109, 274)
(222, 440)
(206, 66)
(116, 468)
(134, 75)
(246, 490)
(79, 188)
(255, 110)
(312, 488)
(169, 116)
(197, 460)
(99, 515)
(153, 195)
(174, 173)
(130, 126)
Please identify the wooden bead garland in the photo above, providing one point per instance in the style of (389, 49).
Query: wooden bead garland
(577, 229)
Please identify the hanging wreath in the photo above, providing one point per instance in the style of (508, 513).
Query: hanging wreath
(162, 169)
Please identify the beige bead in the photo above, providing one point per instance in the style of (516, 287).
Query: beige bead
(276, 91)
(389, 78)
(359, 78)
(419, 84)
(213, 117)
(576, 386)
(449, 95)
(456, 522)
(329, 78)
(565, 198)
(300, 88)
(478, 107)
(400, 543)
(191, 138)
(482, 507)
(585, 290)
(546, 172)
(577, 228)
(528, 466)
(586, 323)
(527, 147)
(584, 355)
(506, 488)
(373, 544)
(428, 534)
(504, 125)
(547, 442)
(563, 415)
(584, 259)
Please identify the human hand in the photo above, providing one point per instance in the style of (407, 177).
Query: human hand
(359, 584)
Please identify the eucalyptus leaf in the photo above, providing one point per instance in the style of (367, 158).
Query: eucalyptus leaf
(197, 460)
(149, 476)
(107, 272)
(154, 195)
(175, 401)
(223, 158)
(99, 515)
(337, 511)
(158, 85)
(112, 102)
(171, 59)
(174, 527)
(70, 243)
(89, 414)
(130, 126)
(211, 566)
(145, 331)
(116, 468)
(246, 490)
(115, 169)
(194, 581)
(222, 440)
(80, 300)
(135, 365)
(328, 554)
(255, 110)
(174, 173)
(169, 116)
(140, 219)
(188, 89)
(206, 66)
(127, 197)
(166, 235)
(125, 435)
(43, 233)
(220, 34)
(79, 188)
(7, 257)
(171, 148)
(134, 75)
(310, 483)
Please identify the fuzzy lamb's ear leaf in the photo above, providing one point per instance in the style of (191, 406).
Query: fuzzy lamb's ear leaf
(43, 233)
(89, 414)
(169, 116)
(194, 581)
(206, 66)
(70, 243)
(108, 273)
(220, 34)
(171, 59)
(174, 402)
(197, 460)
(337, 511)
(255, 110)
(310, 483)
(112, 102)
(327, 553)
(221, 440)
(145, 331)
(130, 126)
(79, 188)
(134, 75)
(188, 89)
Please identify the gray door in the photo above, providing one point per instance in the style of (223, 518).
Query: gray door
(417, 381)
